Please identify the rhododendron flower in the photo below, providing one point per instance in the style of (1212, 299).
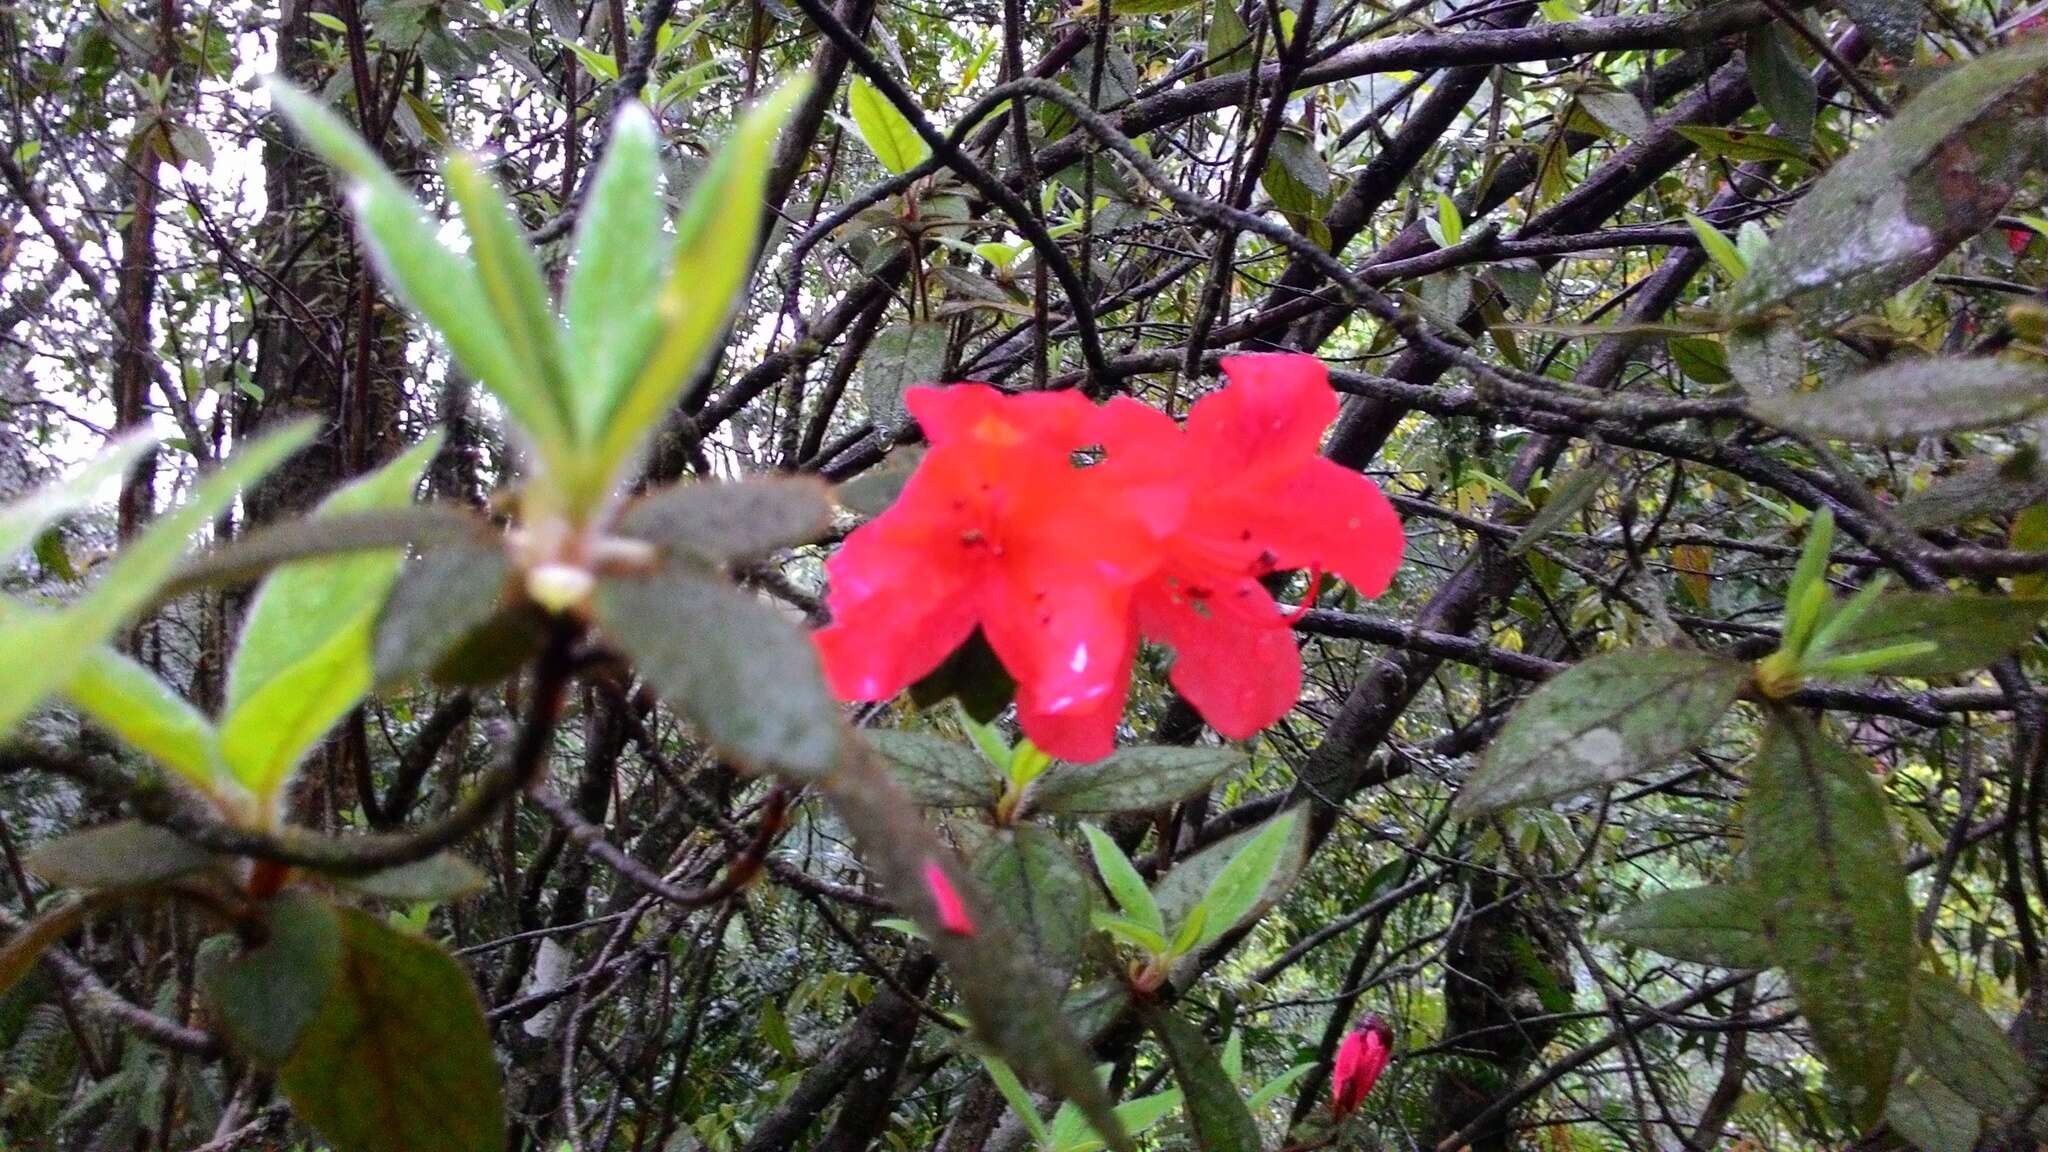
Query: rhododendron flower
(998, 529)
(1360, 1059)
(953, 916)
(1064, 566)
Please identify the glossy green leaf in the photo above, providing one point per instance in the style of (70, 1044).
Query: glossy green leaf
(1718, 246)
(1717, 924)
(43, 651)
(1890, 210)
(25, 519)
(742, 672)
(886, 131)
(1834, 900)
(1217, 1116)
(1957, 1042)
(937, 772)
(304, 656)
(1616, 715)
(268, 995)
(1125, 886)
(129, 701)
(398, 1059)
(1042, 891)
(1967, 631)
(124, 854)
(1137, 779)
(714, 257)
(1913, 398)
(725, 523)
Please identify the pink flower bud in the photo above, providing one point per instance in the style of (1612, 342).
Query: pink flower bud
(1360, 1059)
(952, 910)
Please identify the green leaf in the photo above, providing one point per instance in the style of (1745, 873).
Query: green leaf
(1958, 1044)
(304, 656)
(1835, 904)
(900, 357)
(1744, 144)
(1967, 631)
(25, 519)
(43, 651)
(439, 878)
(597, 64)
(621, 252)
(1718, 924)
(268, 996)
(1718, 246)
(936, 772)
(1783, 86)
(19, 952)
(1616, 715)
(1766, 359)
(129, 701)
(746, 676)
(1197, 880)
(123, 855)
(1296, 177)
(1271, 1089)
(399, 1057)
(1620, 112)
(1931, 1116)
(1132, 780)
(714, 257)
(513, 286)
(1019, 1100)
(1913, 398)
(448, 606)
(1042, 891)
(1568, 498)
(1890, 210)
(1229, 42)
(441, 285)
(1133, 933)
(732, 522)
(1240, 886)
(887, 132)
(1217, 1117)
(1125, 886)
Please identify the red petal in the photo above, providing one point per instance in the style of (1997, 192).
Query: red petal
(1268, 420)
(1079, 736)
(1063, 634)
(1234, 658)
(952, 911)
(1332, 518)
(980, 415)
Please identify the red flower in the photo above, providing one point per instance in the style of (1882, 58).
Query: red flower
(1260, 499)
(997, 529)
(946, 900)
(1360, 1059)
(1063, 566)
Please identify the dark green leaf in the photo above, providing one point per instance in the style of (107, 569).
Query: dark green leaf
(1296, 177)
(1199, 878)
(336, 533)
(1835, 905)
(1958, 1043)
(1095, 1008)
(1701, 359)
(440, 877)
(1042, 891)
(974, 675)
(1619, 112)
(1217, 1116)
(901, 356)
(443, 602)
(1229, 43)
(399, 1057)
(1132, 780)
(1605, 720)
(871, 493)
(125, 854)
(1913, 398)
(1782, 83)
(1766, 359)
(1931, 1116)
(267, 996)
(1718, 924)
(1744, 144)
(1890, 210)
(746, 676)
(1568, 498)
(937, 772)
(1967, 631)
(1985, 488)
(727, 523)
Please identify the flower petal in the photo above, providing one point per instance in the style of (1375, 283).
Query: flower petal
(1268, 420)
(1063, 634)
(1240, 674)
(1332, 518)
